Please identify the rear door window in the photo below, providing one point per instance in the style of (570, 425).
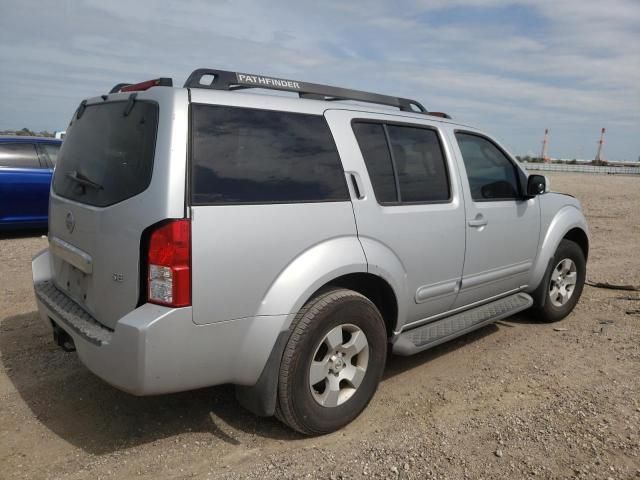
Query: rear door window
(19, 155)
(107, 156)
(405, 163)
(242, 155)
(422, 174)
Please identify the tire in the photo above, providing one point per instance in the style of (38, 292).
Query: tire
(326, 335)
(552, 304)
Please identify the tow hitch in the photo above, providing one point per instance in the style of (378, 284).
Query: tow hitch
(63, 339)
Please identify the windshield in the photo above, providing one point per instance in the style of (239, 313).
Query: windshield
(107, 155)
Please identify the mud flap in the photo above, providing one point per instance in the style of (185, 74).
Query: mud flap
(261, 398)
(539, 295)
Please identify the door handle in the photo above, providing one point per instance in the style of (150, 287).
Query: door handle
(479, 221)
(355, 183)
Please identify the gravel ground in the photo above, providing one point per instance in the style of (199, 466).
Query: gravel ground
(517, 399)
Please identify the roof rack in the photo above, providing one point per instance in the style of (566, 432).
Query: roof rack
(225, 80)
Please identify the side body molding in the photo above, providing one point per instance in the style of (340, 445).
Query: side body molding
(554, 228)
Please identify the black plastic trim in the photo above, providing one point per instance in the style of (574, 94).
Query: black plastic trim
(130, 104)
(81, 108)
(354, 183)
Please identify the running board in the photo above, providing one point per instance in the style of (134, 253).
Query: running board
(440, 331)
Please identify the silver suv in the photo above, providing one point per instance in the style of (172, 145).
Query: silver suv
(207, 235)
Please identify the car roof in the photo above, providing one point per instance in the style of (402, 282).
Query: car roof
(276, 101)
(28, 139)
(206, 85)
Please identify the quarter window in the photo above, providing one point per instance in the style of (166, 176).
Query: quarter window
(405, 163)
(242, 155)
(18, 155)
(492, 176)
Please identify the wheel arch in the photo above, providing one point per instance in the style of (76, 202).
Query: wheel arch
(580, 237)
(569, 223)
(373, 287)
(261, 397)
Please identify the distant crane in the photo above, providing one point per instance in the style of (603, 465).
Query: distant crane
(600, 142)
(545, 142)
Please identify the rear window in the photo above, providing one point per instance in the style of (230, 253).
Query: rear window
(242, 155)
(50, 150)
(107, 156)
(18, 155)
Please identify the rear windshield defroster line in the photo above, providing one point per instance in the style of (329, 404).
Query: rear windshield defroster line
(114, 151)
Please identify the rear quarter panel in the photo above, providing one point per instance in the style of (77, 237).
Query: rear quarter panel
(260, 260)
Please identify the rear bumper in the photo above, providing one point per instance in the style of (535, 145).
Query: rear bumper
(156, 349)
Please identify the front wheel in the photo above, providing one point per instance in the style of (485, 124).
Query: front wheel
(563, 283)
(332, 362)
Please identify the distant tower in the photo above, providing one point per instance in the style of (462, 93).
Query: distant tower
(545, 142)
(600, 142)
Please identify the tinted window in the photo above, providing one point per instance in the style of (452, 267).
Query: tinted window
(492, 176)
(18, 155)
(420, 166)
(244, 155)
(375, 151)
(107, 157)
(51, 151)
(417, 165)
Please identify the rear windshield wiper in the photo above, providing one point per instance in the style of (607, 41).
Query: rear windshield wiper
(83, 180)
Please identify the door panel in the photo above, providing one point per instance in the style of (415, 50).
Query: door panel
(24, 195)
(502, 230)
(426, 239)
(25, 185)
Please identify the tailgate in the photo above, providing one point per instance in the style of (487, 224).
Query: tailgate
(114, 178)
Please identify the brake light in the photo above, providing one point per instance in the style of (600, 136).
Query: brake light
(169, 262)
(138, 87)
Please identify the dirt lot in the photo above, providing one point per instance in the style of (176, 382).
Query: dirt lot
(514, 400)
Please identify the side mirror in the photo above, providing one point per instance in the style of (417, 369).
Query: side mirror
(536, 185)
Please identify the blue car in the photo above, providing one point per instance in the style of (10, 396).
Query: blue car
(26, 167)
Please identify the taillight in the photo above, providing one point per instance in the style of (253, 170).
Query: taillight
(169, 264)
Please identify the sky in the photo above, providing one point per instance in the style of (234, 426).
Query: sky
(511, 68)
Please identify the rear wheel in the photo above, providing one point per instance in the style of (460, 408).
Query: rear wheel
(332, 362)
(563, 283)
